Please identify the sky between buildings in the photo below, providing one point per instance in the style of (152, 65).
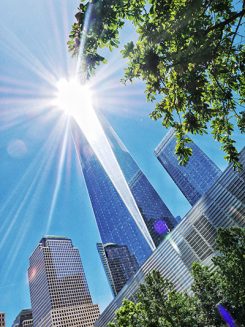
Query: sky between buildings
(42, 189)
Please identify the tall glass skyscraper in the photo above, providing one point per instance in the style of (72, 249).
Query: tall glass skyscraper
(58, 286)
(154, 211)
(115, 222)
(119, 264)
(196, 177)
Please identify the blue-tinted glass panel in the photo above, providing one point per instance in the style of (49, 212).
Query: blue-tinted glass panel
(196, 177)
(155, 213)
(114, 221)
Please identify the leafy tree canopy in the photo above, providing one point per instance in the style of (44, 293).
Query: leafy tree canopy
(189, 53)
(160, 305)
(225, 284)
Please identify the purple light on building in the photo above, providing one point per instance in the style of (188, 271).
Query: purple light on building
(161, 227)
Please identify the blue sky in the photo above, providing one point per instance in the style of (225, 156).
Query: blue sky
(39, 192)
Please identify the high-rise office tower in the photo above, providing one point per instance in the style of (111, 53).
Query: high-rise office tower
(114, 220)
(2, 319)
(196, 177)
(119, 264)
(24, 319)
(155, 213)
(58, 286)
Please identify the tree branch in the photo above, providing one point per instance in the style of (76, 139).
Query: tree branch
(225, 22)
(235, 33)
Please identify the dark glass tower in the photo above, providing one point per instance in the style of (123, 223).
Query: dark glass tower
(154, 211)
(119, 264)
(58, 286)
(115, 223)
(196, 177)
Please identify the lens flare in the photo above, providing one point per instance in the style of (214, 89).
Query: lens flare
(32, 273)
(226, 316)
(17, 148)
(161, 227)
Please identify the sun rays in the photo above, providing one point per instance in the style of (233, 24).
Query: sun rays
(59, 176)
(20, 208)
(27, 91)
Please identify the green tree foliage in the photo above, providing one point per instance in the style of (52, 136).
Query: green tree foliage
(130, 314)
(189, 53)
(207, 294)
(160, 305)
(225, 284)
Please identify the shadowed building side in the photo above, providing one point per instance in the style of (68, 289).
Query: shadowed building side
(119, 264)
(104, 261)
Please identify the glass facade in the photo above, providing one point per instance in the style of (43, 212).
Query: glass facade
(193, 239)
(114, 220)
(155, 213)
(119, 264)
(58, 287)
(196, 177)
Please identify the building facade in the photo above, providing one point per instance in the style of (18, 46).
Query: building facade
(2, 319)
(158, 218)
(119, 264)
(24, 319)
(114, 220)
(193, 239)
(196, 177)
(58, 286)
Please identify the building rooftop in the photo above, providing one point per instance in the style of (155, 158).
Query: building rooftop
(53, 237)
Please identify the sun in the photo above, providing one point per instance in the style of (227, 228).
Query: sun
(72, 97)
(75, 100)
